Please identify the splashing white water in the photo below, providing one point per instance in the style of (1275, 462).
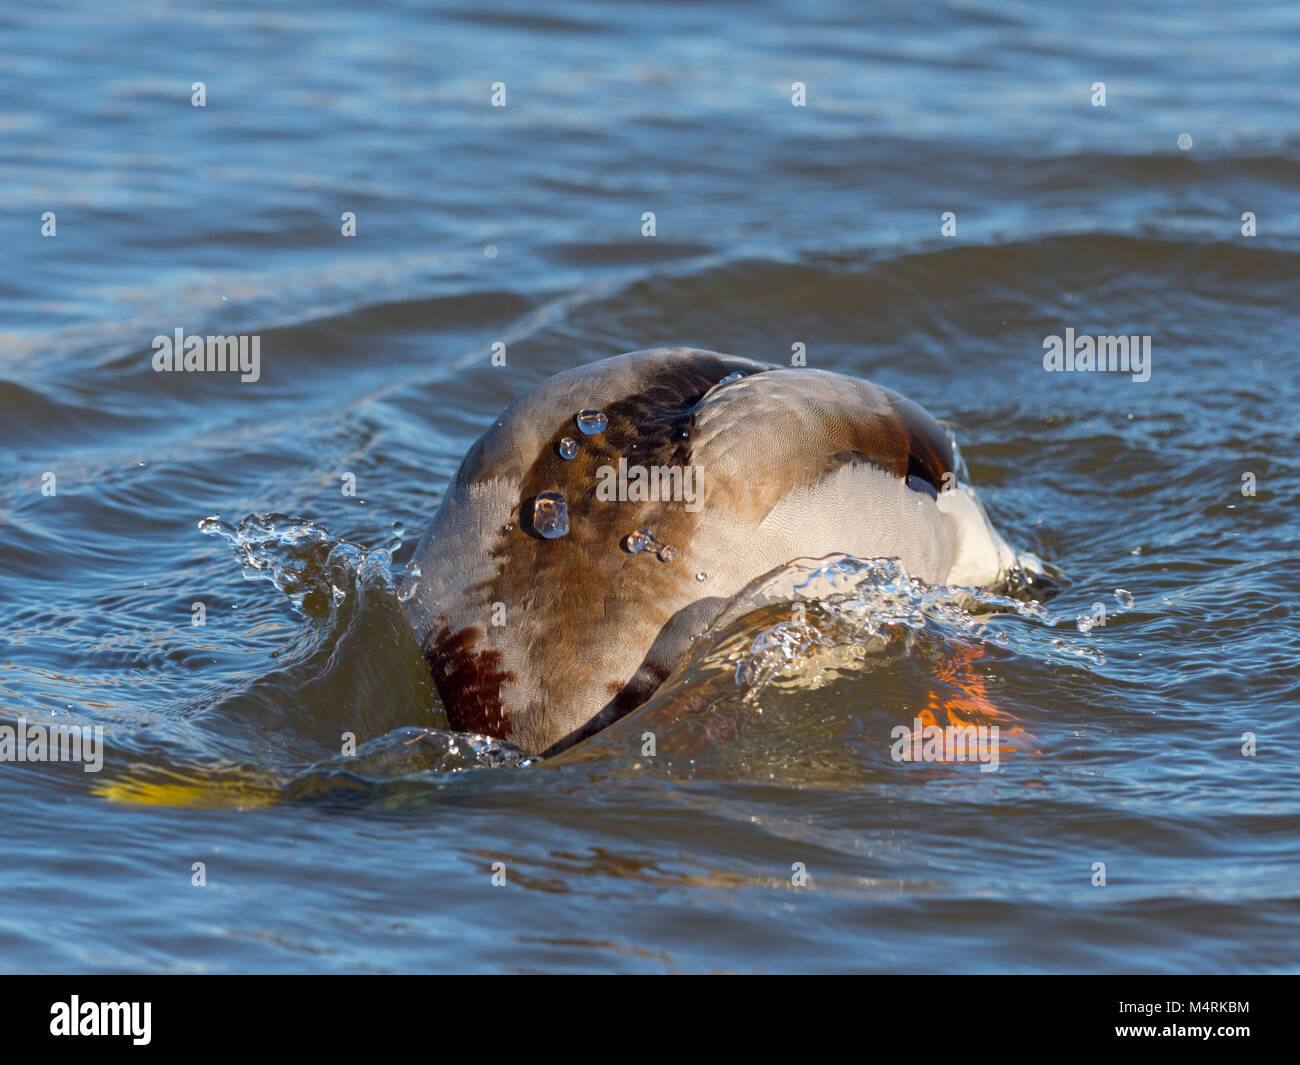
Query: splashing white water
(300, 557)
(838, 609)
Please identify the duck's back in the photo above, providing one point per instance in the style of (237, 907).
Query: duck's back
(694, 473)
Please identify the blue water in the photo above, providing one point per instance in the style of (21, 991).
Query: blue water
(522, 225)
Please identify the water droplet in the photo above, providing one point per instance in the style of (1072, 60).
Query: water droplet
(550, 515)
(507, 527)
(1124, 597)
(398, 526)
(701, 576)
(338, 593)
(731, 378)
(641, 540)
(591, 421)
(568, 447)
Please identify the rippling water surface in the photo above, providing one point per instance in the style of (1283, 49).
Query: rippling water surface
(775, 225)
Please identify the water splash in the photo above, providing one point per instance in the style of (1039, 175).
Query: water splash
(358, 649)
(301, 558)
(834, 611)
(406, 591)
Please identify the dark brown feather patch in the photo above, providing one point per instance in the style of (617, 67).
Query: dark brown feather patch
(468, 681)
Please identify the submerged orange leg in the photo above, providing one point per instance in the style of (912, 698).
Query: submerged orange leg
(964, 700)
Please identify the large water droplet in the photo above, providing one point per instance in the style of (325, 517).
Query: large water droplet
(550, 515)
(591, 421)
(638, 541)
(568, 447)
(641, 540)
